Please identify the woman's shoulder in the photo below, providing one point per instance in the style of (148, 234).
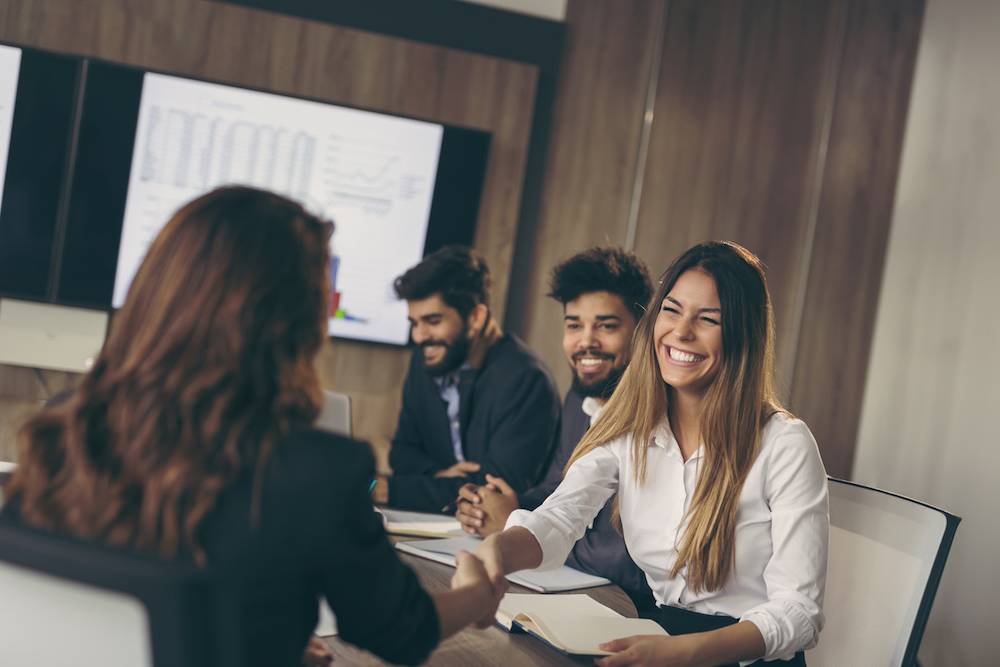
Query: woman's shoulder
(788, 447)
(784, 431)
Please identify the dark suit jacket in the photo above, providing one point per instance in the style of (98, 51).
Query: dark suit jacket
(318, 536)
(509, 415)
(601, 550)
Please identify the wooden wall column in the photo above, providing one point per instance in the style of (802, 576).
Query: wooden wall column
(777, 124)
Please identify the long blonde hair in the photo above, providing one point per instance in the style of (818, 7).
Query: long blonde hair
(736, 406)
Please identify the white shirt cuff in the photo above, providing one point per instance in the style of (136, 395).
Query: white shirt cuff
(786, 632)
(555, 546)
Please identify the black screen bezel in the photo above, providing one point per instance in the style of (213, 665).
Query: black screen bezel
(37, 160)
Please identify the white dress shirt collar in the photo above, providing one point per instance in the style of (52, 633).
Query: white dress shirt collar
(663, 437)
(592, 407)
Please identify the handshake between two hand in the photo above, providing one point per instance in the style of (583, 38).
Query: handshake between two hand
(482, 572)
(483, 510)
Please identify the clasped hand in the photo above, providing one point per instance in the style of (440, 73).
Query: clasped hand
(483, 510)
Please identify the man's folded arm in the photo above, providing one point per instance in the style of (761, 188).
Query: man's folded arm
(408, 458)
(424, 493)
(520, 445)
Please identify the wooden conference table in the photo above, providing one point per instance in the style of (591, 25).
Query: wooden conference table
(489, 647)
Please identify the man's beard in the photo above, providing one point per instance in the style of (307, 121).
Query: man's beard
(456, 352)
(601, 388)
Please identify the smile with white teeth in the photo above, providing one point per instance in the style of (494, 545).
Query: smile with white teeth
(684, 357)
(590, 362)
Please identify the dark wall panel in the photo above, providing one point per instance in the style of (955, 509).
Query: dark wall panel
(776, 124)
(590, 172)
(742, 111)
(858, 190)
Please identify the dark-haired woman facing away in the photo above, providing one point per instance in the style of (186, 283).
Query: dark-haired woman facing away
(721, 492)
(190, 439)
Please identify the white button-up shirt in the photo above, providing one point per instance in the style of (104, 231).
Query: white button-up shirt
(782, 528)
(448, 386)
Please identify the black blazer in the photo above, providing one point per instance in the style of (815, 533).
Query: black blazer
(317, 535)
(509, 416)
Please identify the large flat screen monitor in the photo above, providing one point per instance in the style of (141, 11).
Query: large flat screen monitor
(37, 92)
(395, 187)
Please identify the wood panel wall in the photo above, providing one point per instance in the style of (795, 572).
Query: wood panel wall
(22, 392)
(855, 212)
(776, 124)
(741, 118)
(591, 165)
(288, 55)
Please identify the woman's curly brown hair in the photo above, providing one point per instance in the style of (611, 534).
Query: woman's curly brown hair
(207, 365)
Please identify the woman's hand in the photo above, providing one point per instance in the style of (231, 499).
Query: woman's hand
(490, 553)
(651, 651)
(470, 573)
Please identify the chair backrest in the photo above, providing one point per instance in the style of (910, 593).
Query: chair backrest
(53, 621)
(886, 556)
(67, 603)
(336, 413)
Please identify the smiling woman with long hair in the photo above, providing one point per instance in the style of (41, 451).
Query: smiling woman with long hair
(722, 496)
(190, 439)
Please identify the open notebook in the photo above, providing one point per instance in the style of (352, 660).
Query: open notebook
(575, 624)
(419, 524)
(544, 581)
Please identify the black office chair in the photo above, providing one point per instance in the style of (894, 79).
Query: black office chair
(65, 602)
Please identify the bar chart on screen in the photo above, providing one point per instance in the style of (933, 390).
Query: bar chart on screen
(336, 311)
(195, 151)
(371, 173)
